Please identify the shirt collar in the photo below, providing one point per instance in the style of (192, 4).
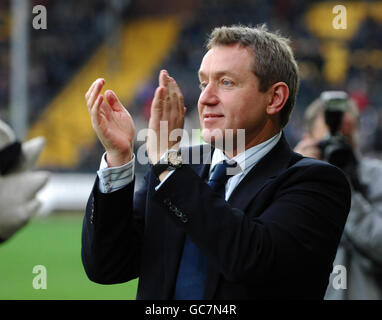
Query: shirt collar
(248, 158)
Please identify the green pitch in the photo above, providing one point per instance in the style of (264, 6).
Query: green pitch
(55, 243)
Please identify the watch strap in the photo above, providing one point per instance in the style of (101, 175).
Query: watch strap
(161, 167)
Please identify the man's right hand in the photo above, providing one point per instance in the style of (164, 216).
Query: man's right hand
(308, 147)
(112, 123)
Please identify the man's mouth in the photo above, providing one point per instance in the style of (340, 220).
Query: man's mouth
(210, 118)
(212, 115)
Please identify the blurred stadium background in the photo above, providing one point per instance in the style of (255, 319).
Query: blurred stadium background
(127, 42)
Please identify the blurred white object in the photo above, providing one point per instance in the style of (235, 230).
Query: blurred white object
(7, 136)
(65, 192)
(19, 187)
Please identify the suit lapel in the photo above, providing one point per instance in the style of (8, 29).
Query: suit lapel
(269, 167)
(174, 237)
(262, 173)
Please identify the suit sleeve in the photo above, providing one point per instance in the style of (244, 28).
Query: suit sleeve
(112, 234)
(300, 227)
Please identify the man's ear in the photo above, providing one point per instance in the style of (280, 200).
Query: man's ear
(279, 93)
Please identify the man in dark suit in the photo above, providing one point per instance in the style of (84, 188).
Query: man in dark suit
(246, 219)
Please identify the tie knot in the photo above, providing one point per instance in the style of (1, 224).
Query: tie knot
(222, 172)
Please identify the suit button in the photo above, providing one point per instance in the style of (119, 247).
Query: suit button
(178, 213)
(92, 211)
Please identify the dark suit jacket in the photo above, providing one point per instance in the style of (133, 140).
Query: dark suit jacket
(276, 237)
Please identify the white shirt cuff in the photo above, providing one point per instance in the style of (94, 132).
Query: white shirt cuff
(162, 160)
(168, 175)
(115, 178)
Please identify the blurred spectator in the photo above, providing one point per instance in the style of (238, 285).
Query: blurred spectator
(360, 250)
(377, 140)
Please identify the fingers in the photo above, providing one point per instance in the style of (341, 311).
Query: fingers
(93, 92)
(173, 100)
(113, 101)
(181, 107)
(158, 102)
(163, 78)
(96, 91)
(308, 147)
(97, 104)
(162, 102)
(165, 83)
(90, 90)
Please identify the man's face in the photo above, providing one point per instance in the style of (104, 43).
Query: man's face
(230, 96)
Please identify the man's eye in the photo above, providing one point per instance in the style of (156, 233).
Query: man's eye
(202, 85)
(226, 82)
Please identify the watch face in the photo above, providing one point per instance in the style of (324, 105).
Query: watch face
(174, 159)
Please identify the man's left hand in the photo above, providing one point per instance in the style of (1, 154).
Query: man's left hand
(167, 112)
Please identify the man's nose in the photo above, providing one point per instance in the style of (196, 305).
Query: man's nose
(209, 95)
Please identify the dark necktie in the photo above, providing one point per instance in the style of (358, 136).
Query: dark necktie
(193, 266)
